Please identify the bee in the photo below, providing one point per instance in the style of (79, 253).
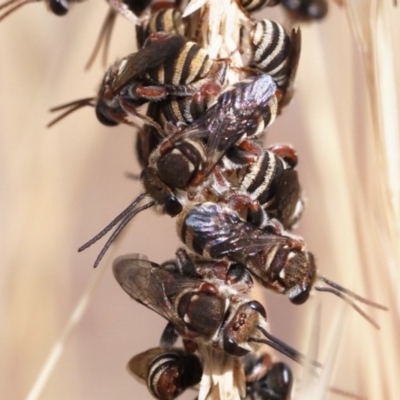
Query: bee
(276, 53)
(267, 187)
(266, 380)
(180, 166)
(199, 310)
(306, 10)
(167, 373)
(173, 111)
(241, 112)
(277, 259)
(167, 65)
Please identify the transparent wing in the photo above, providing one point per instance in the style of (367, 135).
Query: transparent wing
(151, 285)
(147, 59)
(221, 232)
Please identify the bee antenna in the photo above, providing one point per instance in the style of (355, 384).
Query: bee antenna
(283, 348)
(70, 108)
(122, 220)
(12, 9)
(341, 292)
(104, 37)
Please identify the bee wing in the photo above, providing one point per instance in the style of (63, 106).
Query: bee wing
(222, 233)
(151, 285)
(240, 111)
(296, 45)
(147, 59)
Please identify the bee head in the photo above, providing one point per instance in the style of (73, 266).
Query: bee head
(160, 192)
(59, 7)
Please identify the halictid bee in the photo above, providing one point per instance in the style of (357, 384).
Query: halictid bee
(166, 373)
(276, 258)
(199, 310)
(167, 65)
(180, 167)
(266, 380)
(266, 188)
(276, 53)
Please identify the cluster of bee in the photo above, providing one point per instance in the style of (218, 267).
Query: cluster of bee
(200, 148)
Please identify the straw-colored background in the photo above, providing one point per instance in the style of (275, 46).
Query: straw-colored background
(59, 187)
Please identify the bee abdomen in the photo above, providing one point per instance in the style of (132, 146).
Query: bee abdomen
(272, 50)
(192, 64)
(170, 374)
(261, 176)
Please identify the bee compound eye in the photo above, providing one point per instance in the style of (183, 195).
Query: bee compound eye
(102, 116)
(232, 347)
(256, 306)
(300, 297)
(317, 9)
(281, 373)
(59, 7)
(172, 206)
(280, 379)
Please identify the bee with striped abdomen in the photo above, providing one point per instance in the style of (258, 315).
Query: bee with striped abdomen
(199, 311)
(166, 373)
(276, 53)
(167, 65)
(277, 259)
(266, 188)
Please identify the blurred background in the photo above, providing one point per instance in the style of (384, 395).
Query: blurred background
(60, 186)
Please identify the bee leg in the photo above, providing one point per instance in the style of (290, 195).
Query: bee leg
(285, 151)
(255, 215)
(189, 345)
(151, 93)
(185, 263)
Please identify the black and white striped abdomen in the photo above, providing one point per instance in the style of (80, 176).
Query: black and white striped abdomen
(272, 50)
(259, 180)
(172, 372)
